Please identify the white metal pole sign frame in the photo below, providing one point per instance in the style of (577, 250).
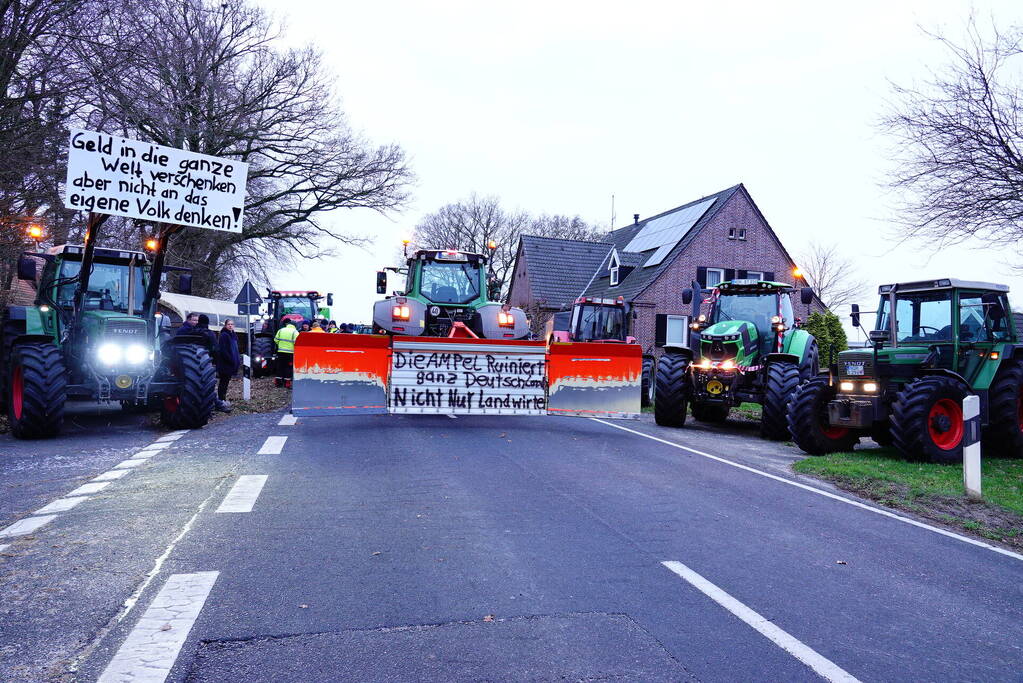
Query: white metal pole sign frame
(122, 177)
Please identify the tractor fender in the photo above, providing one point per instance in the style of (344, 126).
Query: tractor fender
(32, 339)
(683, 351)
(16, 312)
(782, 358)
(798, 344)
(943, 372)
(1014, 351)
(413, 327)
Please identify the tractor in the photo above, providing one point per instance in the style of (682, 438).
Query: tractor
(93, 334)
(749, 349)
(443, 345)
(934, 343)
(297, 307)
(448, 293)
(595, 319)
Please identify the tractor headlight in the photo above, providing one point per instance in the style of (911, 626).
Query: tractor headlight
(136, 353)
(109, 354)
(870, 387)
(846, 386)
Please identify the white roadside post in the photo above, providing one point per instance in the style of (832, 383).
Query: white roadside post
(971, 447)
(246, 373)
(248, 301)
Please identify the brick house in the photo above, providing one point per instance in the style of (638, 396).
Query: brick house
(712, 239)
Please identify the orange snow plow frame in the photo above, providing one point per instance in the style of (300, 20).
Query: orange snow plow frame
(347, 374)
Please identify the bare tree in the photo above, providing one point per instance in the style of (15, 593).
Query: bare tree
(959, 143)
(207, 77)
(832, 276)
(470, 224)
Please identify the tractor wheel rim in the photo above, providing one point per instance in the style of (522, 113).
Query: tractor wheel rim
(18, 392)
(171, 403)
(832, 432)
(945, 438)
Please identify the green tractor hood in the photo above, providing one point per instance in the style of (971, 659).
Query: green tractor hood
(735, 340)
(114, 326)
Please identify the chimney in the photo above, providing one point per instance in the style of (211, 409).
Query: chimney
(635, 219)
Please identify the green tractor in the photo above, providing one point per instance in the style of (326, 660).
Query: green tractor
(749, 350)
(93, 334)
(935, 343)
(448, 293)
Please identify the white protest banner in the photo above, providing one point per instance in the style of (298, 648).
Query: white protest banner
(122, 177)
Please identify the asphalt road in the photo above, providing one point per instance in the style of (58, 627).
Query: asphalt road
(476, 548)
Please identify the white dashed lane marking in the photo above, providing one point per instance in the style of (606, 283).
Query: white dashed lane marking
(287, 420)
(129, 464)
(149, 651)
(243, 494)
(824, 667)
(173, 436)
(26, 526)
(273, 445)
(61, 505)
(88, 489)
(110, 475)
(157, 446)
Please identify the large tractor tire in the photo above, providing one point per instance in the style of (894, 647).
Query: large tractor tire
(808, 420)
(809, 367)
(781, 381)
(927, 420)
(197, 389)
(647, 382)
(1003, 436)
(710, 412)
(262, 346)
(671, 390)
(37, 384)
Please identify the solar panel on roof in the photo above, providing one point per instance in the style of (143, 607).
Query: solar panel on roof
(665, 232)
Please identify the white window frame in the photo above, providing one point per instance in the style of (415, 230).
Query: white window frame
(731, 233)
(742, 234)
(759, 274)
(613, 267)
(721, 277)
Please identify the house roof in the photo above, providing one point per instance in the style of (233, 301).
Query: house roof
(640, 277)
(559, 270)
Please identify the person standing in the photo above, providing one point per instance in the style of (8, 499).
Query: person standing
(202, 327)
(316, 326)
(188, 327)
(285, 340)
(228, 362)
(332, 327)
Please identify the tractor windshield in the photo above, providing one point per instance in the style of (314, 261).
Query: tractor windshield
(599, 322)
(298, 305)
(755, 308)
(109, 285)
(450, 283)
(919, 316)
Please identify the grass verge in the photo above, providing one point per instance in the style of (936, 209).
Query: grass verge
(930, 490)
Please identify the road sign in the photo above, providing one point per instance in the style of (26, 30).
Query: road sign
(248, 295)
(248, 309)
(122, 177)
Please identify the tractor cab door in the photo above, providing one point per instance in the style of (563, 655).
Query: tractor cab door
(981, 322)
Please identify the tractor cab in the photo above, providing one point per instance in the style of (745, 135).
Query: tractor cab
(447, 292)
(296, 307)
(593, 319)
(748, 318)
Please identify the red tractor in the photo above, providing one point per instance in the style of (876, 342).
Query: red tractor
(298, 307)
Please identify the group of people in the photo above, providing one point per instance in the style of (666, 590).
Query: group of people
(285, 342)
(223, 348)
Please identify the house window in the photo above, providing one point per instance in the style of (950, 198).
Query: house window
(613, 267)
(731, 233)
(742, 233)
(715, 276)
(754, 275)
(614, 276)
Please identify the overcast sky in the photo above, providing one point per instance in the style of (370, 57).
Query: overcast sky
(555, 106)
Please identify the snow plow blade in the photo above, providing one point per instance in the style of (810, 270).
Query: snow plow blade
(588, 379)
(341, 374)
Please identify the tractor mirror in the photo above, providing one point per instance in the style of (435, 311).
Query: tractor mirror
(687, 297)
(855, 315)
(185, 283)
(26, 268)
(806, 296)
(381, 282)
(330, 298)
(879, 336)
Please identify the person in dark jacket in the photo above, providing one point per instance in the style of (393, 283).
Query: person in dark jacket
(202, 327)
(228, 362)
(188, 327)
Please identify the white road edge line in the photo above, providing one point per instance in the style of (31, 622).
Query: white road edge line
(174, 436)
(824, 667)
(61, 505)
(287, 420)
(110, 475)
(150, 650)
(88, 489)
(243, 494)
(130, 463)
(26, 526)
(826, 494)
(273, 445)
(157, 446)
